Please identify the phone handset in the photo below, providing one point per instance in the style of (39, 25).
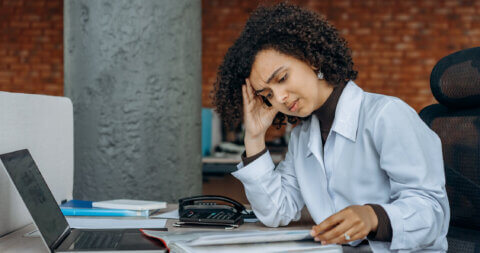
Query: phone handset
(189, 201)
(265, 100)
(205, 210)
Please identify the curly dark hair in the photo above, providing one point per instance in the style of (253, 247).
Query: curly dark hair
(290, 30)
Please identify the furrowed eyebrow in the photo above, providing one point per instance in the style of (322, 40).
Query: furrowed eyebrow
(257, 92)
(274, 74)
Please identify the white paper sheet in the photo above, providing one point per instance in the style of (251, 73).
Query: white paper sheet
(270, 247)
(168, 215)
(93, 223)
(201, 238)
(185, 241)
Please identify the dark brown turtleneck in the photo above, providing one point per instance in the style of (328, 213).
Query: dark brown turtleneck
(326, 112)
(326, 115)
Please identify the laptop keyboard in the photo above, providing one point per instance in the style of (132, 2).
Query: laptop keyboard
(97, 240)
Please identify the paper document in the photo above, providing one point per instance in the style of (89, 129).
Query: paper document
(168, 215)
(266, 247)
(130, 204)
(237, 237)
(241, 241)
(115, 223)
(197, 238)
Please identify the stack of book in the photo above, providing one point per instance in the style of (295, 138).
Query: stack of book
(117, 207)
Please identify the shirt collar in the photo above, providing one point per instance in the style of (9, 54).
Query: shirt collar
(345, 122)
(347, 113)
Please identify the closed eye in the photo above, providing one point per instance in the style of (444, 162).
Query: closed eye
(266, 93)
(284, 77)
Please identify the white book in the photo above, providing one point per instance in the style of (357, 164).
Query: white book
(130, 204)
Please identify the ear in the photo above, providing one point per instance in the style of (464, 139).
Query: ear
(317, 72)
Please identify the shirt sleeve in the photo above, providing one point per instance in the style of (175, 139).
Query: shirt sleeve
(246, 160)
(384, 228)
(411, 155)
(273, 193)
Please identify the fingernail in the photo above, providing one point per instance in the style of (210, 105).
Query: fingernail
(312, 233)
(324, 242)
(316, 239)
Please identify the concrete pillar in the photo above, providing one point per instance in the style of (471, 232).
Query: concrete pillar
(133, 72)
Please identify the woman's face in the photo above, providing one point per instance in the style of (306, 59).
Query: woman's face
(289, 84)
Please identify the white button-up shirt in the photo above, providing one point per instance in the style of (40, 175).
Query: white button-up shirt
(378, 151)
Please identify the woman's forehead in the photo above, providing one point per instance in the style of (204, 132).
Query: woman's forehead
(265, 64)
(269, 59)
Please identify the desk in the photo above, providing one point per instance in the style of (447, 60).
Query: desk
(15, 242)
(224, 165)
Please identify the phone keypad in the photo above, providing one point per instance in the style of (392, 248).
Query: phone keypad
(211, 216)
(220, 216)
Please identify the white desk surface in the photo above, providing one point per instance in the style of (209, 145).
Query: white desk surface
(16, 242)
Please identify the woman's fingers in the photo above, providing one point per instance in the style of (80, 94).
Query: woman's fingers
(334, 230)
(350, 224)
(346, 235)
(327, 224)
(250, 94)
(246, 100)
(272, 111)
(356, 234)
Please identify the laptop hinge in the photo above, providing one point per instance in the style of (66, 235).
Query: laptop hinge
(61, 238)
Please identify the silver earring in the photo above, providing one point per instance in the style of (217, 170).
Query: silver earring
(320, 75)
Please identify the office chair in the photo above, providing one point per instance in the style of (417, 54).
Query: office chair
(455, 83)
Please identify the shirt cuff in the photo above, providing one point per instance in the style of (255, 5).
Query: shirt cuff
(384, 229)
(255, 170)
(246, 160)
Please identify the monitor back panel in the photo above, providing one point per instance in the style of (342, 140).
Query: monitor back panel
(44, 125)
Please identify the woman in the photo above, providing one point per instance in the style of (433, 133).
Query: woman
(364, 164)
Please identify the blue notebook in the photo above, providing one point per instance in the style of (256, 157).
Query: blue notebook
(84, 208)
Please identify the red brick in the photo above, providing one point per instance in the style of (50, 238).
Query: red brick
(19, 24)
(41, 24)
(395, 43)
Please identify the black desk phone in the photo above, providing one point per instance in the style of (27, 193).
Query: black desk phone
(209, 210)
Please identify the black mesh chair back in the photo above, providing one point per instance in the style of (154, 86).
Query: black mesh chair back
(455, 83)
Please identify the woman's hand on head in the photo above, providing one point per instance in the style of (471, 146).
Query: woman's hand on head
(257, 117)
(350, 224)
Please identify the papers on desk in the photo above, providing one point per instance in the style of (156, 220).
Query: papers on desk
(130, 204)
(92, 223)
(168, 215)
(241, 241)
(267, 247)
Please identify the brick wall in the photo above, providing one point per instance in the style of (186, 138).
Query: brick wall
(395, 43)
(31, 46)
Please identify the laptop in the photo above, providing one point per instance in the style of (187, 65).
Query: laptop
(51, 223)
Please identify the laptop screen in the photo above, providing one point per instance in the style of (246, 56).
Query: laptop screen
(35, 193)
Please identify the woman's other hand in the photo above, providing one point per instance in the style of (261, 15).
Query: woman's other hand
(257, 117)
(350, 224)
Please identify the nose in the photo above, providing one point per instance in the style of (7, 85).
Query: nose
(281, 95)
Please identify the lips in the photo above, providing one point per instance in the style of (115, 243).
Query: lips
(293, 106)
